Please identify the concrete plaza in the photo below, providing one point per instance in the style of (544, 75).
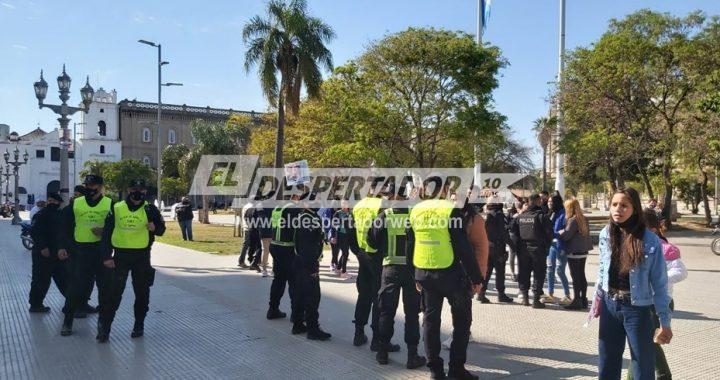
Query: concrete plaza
(207, 320)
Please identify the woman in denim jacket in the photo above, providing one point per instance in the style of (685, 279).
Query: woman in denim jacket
(632, 279)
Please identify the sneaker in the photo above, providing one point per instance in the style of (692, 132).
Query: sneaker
(317, 334)
(39, 309)
(382, 357)
(333, 267)
(255, 268)
(275, 314)
(103, 332)
(89, 309)
(265, 273)
(548, 299)
(242, 265)
(565, 301)
(461, 374)
(481, 297)
(537, 304)
(360, 337)
(138, 330)
(502, 297)
(299, 328)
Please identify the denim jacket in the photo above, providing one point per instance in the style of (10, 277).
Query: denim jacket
(648, 281)
(559, 225)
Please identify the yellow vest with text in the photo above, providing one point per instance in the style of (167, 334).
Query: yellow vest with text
(396, 224)
(130, 230)
(88, 217)
(364, 214)
(430, 220)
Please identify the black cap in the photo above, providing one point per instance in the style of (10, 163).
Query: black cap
(92, 179)
(55, 196)
(137, 183)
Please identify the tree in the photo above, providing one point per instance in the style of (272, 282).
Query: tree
(171, 157)
(94, 167)
(292, 43)
(544, 128)
(174, 187)
(118, 174)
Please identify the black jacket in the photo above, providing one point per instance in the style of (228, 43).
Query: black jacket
(153, 215)
(309, 240)
(45, 230)
(67, 229)
(377, 235)
(464, 262)
(543, 231)
(184, 212)
(497, 232)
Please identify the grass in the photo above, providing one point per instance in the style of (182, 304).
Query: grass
(210, 238)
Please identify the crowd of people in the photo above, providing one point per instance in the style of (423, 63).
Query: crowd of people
(432, 251)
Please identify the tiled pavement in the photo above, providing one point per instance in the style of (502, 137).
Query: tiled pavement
(207, 321)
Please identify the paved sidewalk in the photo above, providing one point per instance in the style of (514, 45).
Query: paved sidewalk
(207, 320)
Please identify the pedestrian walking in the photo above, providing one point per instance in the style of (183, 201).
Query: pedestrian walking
(340, 224)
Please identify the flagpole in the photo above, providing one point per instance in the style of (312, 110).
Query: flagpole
(560, 158)
(478, 40)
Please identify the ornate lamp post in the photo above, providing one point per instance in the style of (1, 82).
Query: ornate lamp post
(16, 163)
(7, 176)
(64, 111)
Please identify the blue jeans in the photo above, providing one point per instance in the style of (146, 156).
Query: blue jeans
(620, 320)
(557, 258)
(186, 229)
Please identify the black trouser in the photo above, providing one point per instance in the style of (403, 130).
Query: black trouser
(335, 250)
(368, 284)
(137, 264)
(250, 246)
(306, 300)
(84, 268)
(577, 273)
(343, 244)
(458, 292)
(394, 278)
(45, 269)
(283, 259)
(496, 260)
(532, 260)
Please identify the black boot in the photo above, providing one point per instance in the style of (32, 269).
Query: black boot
(461, 374)
(138, 330)
(315, 333)
(481, 297)
(502, 297)
(414, 360)
(437, 372)
(576, 304)
(275, 314)
(103, 333)
(536, 302)
(525, 299)
(584, 303)
(299, 328)
(382, 356)
(39, 309)
(390, 347)
(67, 325)
(360, 337)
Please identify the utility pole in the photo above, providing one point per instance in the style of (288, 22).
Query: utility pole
(560, 161)
(477, 150)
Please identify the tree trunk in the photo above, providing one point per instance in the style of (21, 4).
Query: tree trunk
(667, 198)
(613, 176)
(646, 180)
(544, 174)
(280, 138)
(704, 197)
(204, 216)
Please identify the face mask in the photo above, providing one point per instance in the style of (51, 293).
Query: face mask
(52, 206)
(90, 192)
(137, 196)
(186, 202)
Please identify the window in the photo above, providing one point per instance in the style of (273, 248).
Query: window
(40, 153)
(171, 136)
(146, 160)
(54, 154)
(147, 135)
(102, 128)
(71, 154)
(102, 110)
(102, 149)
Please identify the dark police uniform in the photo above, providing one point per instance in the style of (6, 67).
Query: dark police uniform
(498, 237)
(44, 232)
(445, 266)
(535, 233)
(127, 241)
(282, 250)
(308, 239)
(388, 236)
(369, 269)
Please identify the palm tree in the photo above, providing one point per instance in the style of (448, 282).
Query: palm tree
(291, 42)
(544, 129)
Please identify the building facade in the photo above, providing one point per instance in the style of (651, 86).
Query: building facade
(97, 135)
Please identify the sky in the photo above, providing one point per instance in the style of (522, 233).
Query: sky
(203, 43)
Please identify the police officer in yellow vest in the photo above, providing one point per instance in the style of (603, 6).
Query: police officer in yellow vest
(445, 267)
(369, 270)
(82, 227)
(130, 229)
(388, 236)
(282, 250)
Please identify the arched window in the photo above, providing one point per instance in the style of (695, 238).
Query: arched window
(146, 160)
(171, 136)
(147, 135)
(102, 128)
(102, 149)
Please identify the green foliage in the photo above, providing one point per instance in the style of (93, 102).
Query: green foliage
(171, 156)
(174, 187)
(117, 175)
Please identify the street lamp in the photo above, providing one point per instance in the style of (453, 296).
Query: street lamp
(16, 163)
(7, 176)
(160, 64)
(64, 111)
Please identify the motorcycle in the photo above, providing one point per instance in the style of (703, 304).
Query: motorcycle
(27, 240)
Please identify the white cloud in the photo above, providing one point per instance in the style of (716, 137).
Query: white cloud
(19, 47)
(8, 5)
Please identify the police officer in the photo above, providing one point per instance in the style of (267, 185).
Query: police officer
(130, 229)
(498, 237)
(445, 267)
(369, 271)
(82, 223)
(535, 234)
(282, 250)
(388, 236)
(308, 239)
(46, 265)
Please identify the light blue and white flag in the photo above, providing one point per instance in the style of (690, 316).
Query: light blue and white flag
(485, 12)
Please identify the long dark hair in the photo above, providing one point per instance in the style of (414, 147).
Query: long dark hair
(653, 221)
(626, 241)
